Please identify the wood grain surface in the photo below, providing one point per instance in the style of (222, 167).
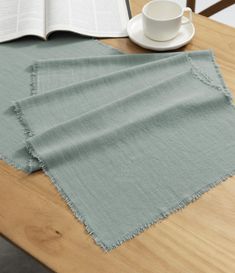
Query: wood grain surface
(199, 238)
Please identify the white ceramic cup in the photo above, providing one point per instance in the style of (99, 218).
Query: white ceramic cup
(162, 19)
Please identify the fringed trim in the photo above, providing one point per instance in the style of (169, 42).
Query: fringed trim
(206, 79)
(199, 71)
(34, 81)
(219, 74)
(181, 205)
(14, 164)
(80, 216)
(20, 117)
(29, 133)
(195, 196)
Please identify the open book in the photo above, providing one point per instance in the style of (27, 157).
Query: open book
(98, 18)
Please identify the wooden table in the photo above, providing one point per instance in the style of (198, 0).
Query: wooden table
(200, 238)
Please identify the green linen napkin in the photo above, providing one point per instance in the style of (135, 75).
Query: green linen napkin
(129, 139)
(55, 73)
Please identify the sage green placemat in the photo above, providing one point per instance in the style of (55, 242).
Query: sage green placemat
(55, 73)
(128, 140)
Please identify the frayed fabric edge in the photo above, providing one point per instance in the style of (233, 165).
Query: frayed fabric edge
(13, 163)
(34, 80)
(27, 168)
(181, 205)
(80, 216)
(226, 90)
(202, 76)
(33, 91)
(35, 65)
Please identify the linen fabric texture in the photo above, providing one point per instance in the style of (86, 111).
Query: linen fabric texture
(126, 139)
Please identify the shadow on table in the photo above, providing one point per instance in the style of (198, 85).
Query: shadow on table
(15, 260)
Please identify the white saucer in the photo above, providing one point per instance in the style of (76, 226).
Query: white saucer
(135, 32)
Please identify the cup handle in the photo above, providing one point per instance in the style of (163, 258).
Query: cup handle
(190, 19)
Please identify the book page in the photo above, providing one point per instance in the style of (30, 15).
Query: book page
(21, 17)
(99, 18)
